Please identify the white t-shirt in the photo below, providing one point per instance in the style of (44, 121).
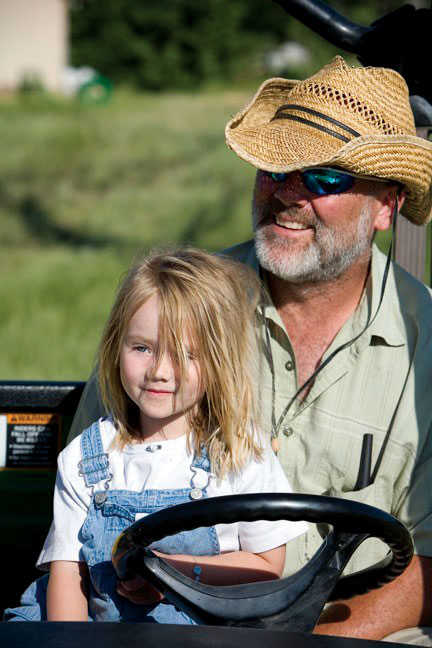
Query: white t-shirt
(135, 468)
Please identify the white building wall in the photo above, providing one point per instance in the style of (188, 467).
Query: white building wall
(33, 41)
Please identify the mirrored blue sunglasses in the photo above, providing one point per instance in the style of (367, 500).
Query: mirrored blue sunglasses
(320, 181)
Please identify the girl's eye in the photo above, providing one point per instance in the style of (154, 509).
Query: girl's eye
(188, 356)
(141, 348)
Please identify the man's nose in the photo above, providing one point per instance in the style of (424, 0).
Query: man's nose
(292, 190)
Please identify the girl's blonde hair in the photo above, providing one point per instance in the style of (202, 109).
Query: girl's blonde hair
(211, 299)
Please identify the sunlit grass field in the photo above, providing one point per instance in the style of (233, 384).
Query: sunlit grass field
(83, 189)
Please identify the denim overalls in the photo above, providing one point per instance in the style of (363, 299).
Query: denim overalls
(110, 512)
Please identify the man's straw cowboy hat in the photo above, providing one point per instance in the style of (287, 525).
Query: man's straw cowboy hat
(357, 119)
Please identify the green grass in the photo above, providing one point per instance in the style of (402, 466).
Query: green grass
(82, 190)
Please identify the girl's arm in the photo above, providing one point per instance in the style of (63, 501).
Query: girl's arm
(231, 568)
(67, 591)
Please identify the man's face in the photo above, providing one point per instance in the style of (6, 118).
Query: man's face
(301, 237)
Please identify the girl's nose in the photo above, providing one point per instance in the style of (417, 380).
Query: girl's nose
(162, 369)
(292, 190)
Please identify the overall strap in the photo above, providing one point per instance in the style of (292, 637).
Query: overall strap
(94, 465)
(201, 460)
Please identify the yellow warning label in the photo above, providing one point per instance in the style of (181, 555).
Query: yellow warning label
(33, 419)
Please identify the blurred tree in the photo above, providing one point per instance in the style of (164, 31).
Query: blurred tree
(159, 44)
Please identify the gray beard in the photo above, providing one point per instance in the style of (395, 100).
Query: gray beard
(326, 258)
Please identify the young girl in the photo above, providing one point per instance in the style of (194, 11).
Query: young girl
(175, 364)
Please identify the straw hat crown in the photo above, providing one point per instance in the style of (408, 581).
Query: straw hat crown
(358, 119)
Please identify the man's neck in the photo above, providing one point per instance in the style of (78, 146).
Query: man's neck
(314, 313)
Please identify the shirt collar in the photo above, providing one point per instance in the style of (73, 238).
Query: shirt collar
(251, 258)
(387, 319)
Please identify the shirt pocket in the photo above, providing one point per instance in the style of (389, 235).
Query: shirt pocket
(117, 517)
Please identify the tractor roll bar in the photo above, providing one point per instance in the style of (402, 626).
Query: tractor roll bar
(326, 21)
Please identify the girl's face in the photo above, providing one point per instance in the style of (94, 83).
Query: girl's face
(162, 399)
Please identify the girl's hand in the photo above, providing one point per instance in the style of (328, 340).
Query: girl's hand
(139, 591)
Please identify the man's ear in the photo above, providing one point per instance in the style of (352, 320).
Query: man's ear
(386, 203)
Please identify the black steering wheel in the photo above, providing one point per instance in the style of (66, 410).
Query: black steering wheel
(292, 603)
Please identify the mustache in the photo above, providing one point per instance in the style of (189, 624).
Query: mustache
(272, 207)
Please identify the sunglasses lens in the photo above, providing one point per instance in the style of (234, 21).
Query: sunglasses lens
(277, 177)
(327, 181)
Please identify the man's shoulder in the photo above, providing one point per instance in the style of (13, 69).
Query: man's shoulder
(406, 298)
(243, 252)
(415, 297)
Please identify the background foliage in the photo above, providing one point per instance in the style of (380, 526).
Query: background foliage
(160, 44)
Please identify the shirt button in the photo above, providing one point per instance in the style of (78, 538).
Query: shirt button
(287, 431)
(289, 366)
